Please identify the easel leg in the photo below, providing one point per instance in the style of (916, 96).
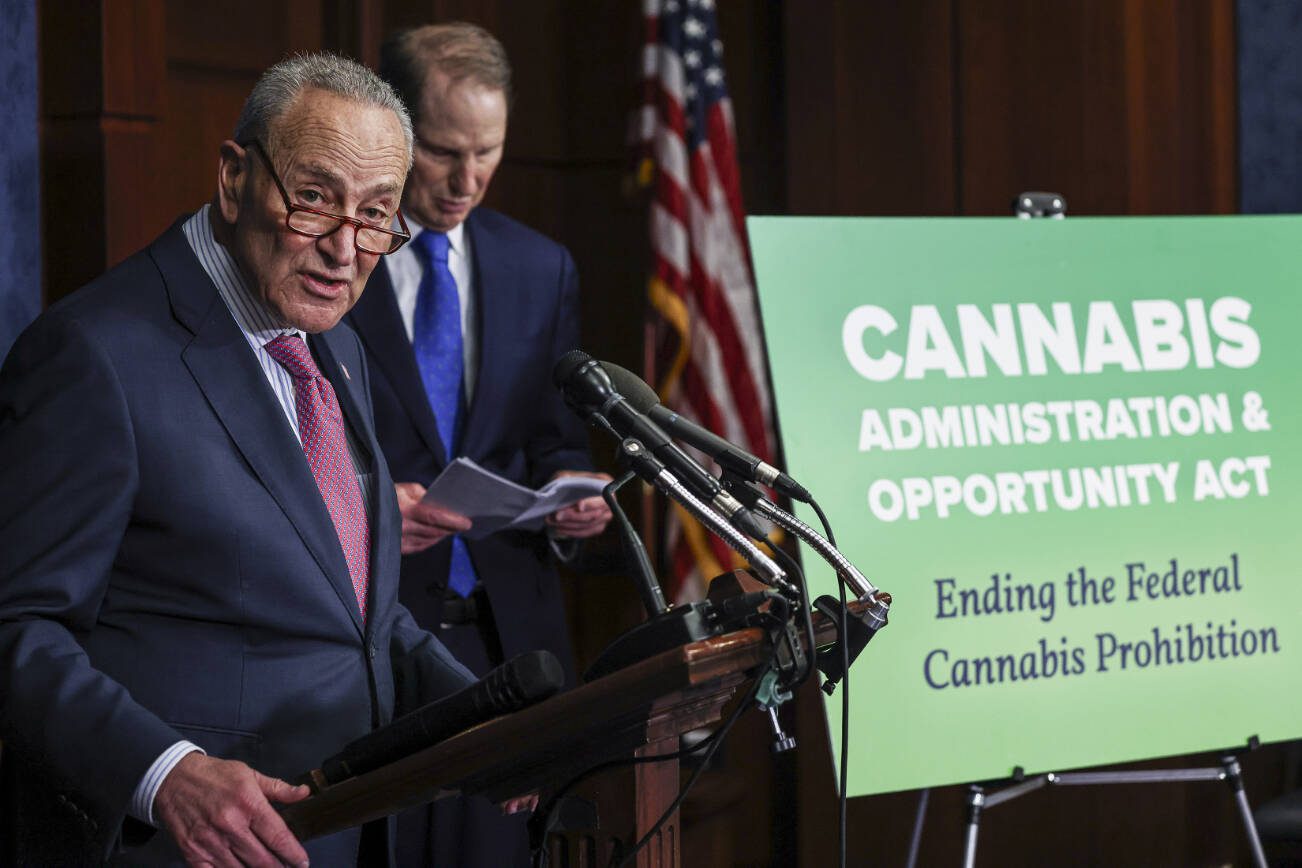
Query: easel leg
(1234, 777)
(975, 800)
(915, 842)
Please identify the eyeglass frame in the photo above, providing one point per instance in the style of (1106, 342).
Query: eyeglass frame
(340, 220)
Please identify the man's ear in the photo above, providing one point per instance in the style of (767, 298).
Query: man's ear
(232, 179)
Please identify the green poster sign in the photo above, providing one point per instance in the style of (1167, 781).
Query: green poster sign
(1072, 452)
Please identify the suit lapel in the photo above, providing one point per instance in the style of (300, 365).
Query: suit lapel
(379, 324)
(224, 367)
(496, 310)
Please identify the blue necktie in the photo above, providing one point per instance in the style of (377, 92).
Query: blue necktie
(436, 339)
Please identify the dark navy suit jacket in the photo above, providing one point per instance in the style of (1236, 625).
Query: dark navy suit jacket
(517, 425)
(168, 569)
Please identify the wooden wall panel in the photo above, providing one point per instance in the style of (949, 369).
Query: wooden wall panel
(605, 217)
(240, 35)
(754, 63)
(135, 169)
(204, 104)
(1120, 106)
(1042, 104)
(133, 44)
(101, 71)
(1180, 101)
(870, 108)
(954, 106)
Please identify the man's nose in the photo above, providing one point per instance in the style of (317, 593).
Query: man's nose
(340, 246)
(464, 179)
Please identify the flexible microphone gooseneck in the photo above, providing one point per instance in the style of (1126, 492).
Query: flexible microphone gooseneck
(647, 466)
(754, 499)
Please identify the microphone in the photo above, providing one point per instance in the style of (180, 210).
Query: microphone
(731, 458)
(587, 388)
(519, 682)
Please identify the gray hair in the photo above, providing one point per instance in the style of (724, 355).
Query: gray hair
(461, 51)
(280, 86)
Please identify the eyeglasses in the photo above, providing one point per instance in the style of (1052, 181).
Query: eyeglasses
(316, 224)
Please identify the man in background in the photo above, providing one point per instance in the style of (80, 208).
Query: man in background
(198, 533)
(462, 328)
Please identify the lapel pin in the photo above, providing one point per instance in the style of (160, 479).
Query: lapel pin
(344, 368)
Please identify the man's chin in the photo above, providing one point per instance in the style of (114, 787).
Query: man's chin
(451, 219)
(316, 316)
(442, 218)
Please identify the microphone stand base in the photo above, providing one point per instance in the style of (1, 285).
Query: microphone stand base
(672, 628)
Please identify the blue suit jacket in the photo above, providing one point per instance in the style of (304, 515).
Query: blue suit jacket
(517, 425)
(168, 569)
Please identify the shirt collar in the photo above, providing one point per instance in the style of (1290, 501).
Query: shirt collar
(256, 320)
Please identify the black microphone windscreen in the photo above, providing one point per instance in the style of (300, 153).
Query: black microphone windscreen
(519, 682)
(634, 389)
(566, 365)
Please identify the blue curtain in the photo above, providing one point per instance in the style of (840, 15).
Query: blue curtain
(1270, 106)
(20, 176)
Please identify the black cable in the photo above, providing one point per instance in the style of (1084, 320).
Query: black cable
(627, 761)
(711, 742)
(787, 560)
(822, 517)
(678, 800)
(721, 733)
(845, 722)
(845, 694)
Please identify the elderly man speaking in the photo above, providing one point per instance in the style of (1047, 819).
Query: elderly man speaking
(199, 538)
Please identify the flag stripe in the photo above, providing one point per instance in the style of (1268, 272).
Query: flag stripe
(671, 245)
(671, 159)
(720, 135)
(670, 74)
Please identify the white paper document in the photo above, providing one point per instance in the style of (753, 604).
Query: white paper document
(494, 503)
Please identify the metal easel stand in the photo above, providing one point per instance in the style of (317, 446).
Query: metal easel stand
(980, 800)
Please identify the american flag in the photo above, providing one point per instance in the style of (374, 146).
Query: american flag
(705, 349)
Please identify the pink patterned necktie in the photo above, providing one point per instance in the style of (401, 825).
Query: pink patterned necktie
(321, 428)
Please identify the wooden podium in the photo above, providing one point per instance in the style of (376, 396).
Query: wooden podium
(638, 710)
